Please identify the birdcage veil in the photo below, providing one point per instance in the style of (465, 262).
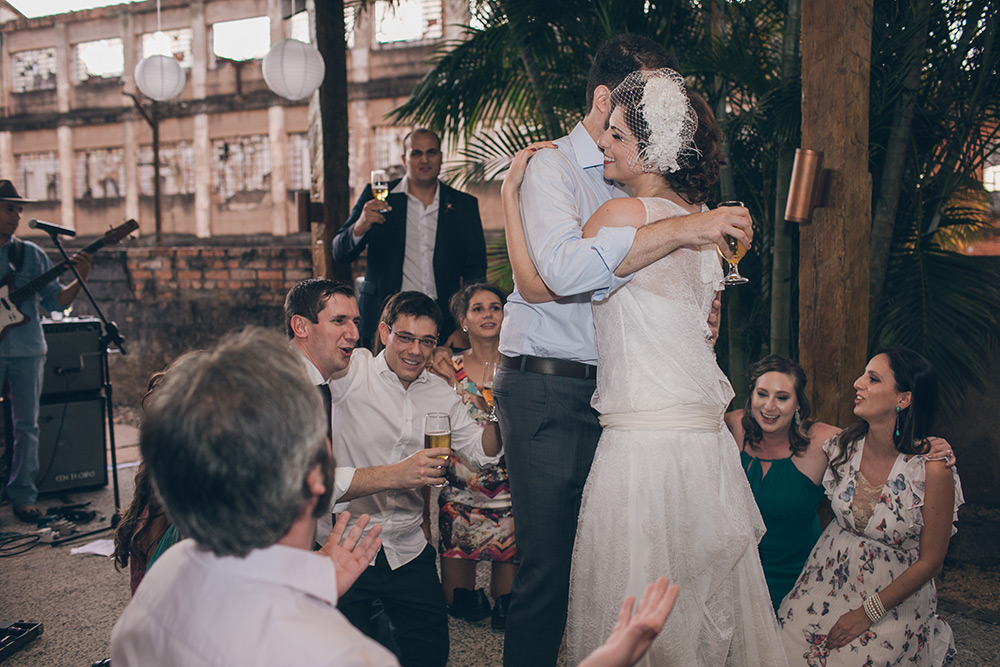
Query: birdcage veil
(658, 113)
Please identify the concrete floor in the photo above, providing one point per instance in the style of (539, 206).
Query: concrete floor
(78, 598)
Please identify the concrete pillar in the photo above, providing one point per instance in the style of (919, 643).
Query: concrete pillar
(278, 138)
(130, 49)
(199, 50)
(7, 165)
(64, 139)
(64, 68)
(202, 177)
(130, 149)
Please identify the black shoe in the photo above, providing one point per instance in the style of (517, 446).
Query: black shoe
(500, 607)
(470, 605)
(28, 513)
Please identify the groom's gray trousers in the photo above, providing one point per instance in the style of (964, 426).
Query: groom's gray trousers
(550, 434)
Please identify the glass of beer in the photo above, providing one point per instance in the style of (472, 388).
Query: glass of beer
(380, 184)
(437, 433)
(737, 249)
(489, 371)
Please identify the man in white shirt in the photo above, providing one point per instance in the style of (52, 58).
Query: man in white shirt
(425, 236)
(549, 350)
(245, 588)
(381, 403)
(321, 321)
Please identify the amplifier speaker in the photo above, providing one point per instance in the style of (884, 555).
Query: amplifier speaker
(73, 363)
(71, 451)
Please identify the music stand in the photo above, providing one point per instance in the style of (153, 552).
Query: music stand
(110, 335)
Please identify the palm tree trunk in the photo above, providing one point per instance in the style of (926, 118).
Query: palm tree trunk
(891, 183)
(781, 264)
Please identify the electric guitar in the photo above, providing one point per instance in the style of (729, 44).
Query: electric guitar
(10, 301)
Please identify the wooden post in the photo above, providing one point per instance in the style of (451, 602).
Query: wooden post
(331, 42)
(834, 247)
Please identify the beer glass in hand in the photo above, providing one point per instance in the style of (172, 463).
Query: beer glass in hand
(737, 249)
(437, 433)
(489, 371)
(380, 184)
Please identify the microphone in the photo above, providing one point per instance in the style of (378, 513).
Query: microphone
(50, 228)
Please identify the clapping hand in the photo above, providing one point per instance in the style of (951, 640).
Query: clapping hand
(351, 556)
(634, 634)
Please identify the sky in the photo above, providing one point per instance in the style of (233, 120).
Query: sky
(35, 8)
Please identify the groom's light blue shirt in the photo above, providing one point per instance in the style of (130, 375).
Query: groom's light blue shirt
(561, 190)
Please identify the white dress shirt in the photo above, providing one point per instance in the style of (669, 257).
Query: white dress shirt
(421, 237)
(343, 476)
(562, 188)
(379, 423)
(277, 606)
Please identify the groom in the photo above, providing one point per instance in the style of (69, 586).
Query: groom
(549, 350)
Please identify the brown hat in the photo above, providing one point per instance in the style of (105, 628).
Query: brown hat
(9, 193)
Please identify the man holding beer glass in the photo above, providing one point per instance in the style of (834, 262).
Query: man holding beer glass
(381, 403)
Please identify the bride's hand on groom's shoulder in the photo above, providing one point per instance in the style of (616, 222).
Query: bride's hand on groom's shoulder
(515, 173)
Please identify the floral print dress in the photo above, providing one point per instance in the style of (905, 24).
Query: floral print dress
(850, 563)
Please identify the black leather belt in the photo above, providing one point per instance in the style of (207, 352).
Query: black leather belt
(560, 367)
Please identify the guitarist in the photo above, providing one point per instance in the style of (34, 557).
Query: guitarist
(22, 349)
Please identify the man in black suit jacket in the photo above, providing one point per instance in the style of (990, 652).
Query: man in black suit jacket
(425, 237)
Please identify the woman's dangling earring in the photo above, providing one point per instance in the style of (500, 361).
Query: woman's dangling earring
(898, 409)
(798, 418)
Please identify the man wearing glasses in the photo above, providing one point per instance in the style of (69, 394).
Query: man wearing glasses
(22, 347)
(380, 403)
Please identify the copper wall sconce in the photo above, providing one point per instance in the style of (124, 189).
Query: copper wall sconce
(807, 189)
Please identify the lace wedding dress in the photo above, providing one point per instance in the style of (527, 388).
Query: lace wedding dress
(666, 494)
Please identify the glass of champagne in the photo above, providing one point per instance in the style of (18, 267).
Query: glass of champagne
(738, 250)
(489, 371)
(437, 433)
(380, 184)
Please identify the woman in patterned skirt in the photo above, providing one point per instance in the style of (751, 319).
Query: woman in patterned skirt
(475, 520)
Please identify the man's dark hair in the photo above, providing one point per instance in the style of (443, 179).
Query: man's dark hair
(308, 297)
(414, 304)
(420, 130)
(620, 56)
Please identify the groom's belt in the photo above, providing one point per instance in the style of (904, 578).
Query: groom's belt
(560, 367)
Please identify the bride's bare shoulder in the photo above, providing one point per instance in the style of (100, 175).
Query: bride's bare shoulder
(620, 212)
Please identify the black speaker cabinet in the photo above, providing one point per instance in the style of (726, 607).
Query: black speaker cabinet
(71, 451)
(73, 364)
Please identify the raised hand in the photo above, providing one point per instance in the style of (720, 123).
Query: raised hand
(372, 213)
(712, 227)
(634, 634)
(350, 555)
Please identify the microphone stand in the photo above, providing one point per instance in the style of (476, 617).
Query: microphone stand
(111, 335)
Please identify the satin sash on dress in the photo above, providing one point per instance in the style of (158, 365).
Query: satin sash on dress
(687, 417)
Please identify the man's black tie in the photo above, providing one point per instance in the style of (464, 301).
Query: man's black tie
(324, 390)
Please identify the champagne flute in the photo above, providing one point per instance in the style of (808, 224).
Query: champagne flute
(737, 249)
(437, 433)
(489, 371)
(380, 184)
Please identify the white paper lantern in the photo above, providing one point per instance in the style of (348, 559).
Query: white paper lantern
(159, 77)
(293, 69)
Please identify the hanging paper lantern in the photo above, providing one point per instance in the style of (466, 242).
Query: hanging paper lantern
(159, 77)
(293, 69)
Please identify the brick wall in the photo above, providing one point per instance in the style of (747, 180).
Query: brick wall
(167, 300)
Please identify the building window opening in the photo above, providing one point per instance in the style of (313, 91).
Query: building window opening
(101, 59)
(241, 164)
(37, 175)
(408, 21)
(176, 43)
(243, 39)
(100, 174)
(33, 70)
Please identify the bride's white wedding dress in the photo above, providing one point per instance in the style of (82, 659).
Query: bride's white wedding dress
(666, 494)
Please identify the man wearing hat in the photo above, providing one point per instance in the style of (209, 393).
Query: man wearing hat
(22, 347)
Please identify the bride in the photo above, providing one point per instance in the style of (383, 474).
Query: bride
(667, 472)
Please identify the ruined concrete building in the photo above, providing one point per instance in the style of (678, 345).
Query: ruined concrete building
(232, 153)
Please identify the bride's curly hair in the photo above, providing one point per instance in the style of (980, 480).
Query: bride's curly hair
(699, 171)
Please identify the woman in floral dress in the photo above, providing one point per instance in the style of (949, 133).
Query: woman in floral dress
(866, 595)
(475, 520)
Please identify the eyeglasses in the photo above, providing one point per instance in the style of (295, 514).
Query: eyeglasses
(409, 339)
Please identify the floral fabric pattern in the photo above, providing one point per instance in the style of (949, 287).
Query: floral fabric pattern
(848, 564)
